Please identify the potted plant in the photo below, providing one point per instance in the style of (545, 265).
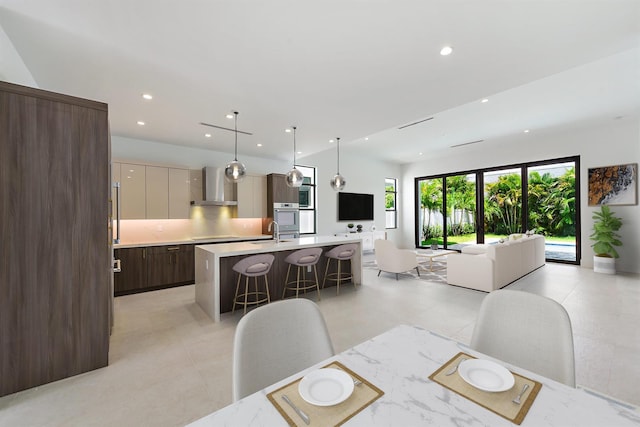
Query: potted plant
(350, 227)
(606, 238)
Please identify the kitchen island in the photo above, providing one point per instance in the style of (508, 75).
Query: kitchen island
(215, 280)
(152, 265)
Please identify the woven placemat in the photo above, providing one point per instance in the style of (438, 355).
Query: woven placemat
(363, 395)
(499, 403)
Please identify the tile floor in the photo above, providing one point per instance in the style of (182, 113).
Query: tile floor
(169, 364)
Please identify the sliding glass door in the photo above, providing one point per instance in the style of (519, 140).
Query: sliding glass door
(552, 208)
(430, 219)
(488, 205)
(502, 204)
(461, 210)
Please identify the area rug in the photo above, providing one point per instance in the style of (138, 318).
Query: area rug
(438, 275)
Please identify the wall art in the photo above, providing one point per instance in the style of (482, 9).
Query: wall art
(613, 185)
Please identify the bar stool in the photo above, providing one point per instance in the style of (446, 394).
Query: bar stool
(339, 253)
(253, 266)
(303, 259)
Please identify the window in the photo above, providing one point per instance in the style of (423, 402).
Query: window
(308, 200)
(487, 205)
(390, 201)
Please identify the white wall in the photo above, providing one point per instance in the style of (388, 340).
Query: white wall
(362, 175)
(12, 68)
(615, 142)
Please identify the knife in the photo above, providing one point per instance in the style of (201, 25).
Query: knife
(299, 411)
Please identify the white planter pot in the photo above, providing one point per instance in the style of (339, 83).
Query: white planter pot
(604, 265)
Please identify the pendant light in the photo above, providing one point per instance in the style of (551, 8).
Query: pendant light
(235, 171)
(294, 176)
(338, 182)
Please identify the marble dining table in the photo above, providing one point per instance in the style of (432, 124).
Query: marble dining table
(400, 361)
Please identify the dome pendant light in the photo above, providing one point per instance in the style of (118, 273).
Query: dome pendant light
(338, 182)
(294, 177)
(235, 171)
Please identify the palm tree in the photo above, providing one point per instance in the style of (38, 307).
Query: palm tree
(460, 196)
(430, 201)
(503, 203)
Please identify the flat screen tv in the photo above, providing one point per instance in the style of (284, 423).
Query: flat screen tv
(355, 207)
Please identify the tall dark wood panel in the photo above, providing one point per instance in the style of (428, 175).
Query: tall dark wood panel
(55, 262)
(279, 192)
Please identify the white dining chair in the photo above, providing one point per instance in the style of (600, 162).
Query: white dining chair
(527, 330)
(277, 340)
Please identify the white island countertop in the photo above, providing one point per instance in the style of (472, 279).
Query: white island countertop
(257, 247)
(190, 241)
(208, 270)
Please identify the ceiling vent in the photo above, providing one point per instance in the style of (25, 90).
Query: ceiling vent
(416, 123)
(467, 143)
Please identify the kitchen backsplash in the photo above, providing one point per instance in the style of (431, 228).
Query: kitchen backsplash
(204, 222)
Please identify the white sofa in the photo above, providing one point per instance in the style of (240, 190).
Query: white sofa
(490, 267)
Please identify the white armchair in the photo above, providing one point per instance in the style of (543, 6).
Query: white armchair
(390, 259)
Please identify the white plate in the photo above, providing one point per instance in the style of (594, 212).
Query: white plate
(326, 387)
(486, 375)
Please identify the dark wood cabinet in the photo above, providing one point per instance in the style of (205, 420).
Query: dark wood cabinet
(170, 265)
(54, 237)
(155, 267)
(133, 274)
(279, 192)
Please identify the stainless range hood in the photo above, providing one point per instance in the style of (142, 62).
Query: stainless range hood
(213, 188)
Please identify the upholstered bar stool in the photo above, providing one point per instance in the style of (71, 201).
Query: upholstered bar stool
(339, 253)
(303, 259)
(253, 266)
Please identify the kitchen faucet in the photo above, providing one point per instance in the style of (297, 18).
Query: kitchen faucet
(276, 230)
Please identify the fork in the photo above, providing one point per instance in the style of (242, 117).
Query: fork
(517, 398)
(455, 368)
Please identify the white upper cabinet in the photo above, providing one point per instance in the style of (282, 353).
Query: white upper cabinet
(152, 192)
(179, 194)
(157, 192)
(132, 191)
(195, 185)
(252, 202)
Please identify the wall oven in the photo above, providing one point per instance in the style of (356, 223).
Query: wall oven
(287, 215)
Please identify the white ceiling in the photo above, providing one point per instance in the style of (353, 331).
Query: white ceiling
(350, 68)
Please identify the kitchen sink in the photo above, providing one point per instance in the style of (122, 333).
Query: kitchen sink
(269, 242)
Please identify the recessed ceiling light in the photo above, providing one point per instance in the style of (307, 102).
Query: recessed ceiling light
(147, 96)
(207, 135)
(141, 123)
(258, 145)
(446, 50)
(484, 100)
(229, 116)
(331, 140)
(366, 138)
(419, 154)
(526, 131)
(299, 152)
(287, 130)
